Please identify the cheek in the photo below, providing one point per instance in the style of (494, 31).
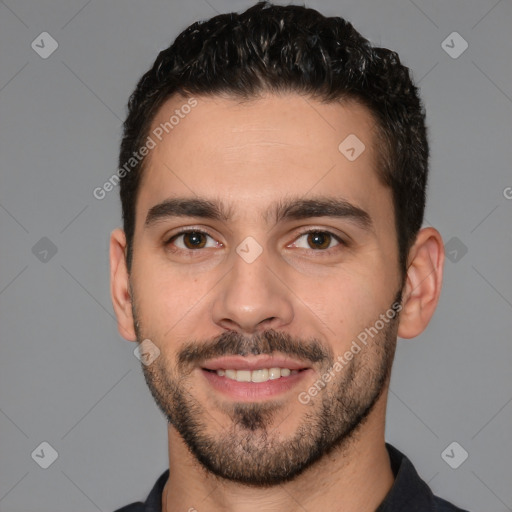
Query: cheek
(346, 303)
(156, 293)
(171, 302)
(345, 308)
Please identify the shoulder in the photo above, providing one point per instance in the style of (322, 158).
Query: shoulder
(134, 507)
(445, 506)
(153, 502)
(409, 490)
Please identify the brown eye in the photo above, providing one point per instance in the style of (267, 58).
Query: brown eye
(319, 240)
(190, 240)
(194, 239)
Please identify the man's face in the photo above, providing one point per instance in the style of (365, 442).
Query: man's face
(275, 283)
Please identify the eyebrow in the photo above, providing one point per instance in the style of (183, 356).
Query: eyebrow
(286, 209)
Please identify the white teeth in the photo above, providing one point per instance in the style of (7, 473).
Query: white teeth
(274, 373)
(230, 374)
(261, 375)
(243, 375)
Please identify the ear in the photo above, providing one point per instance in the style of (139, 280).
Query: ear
(119, 285)
(423, 283)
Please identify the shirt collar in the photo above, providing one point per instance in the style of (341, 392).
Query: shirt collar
(409, 491)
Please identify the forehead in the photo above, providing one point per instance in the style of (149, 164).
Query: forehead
(255, 152)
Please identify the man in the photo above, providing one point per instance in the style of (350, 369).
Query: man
(273, 173)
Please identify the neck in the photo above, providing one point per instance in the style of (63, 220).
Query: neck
(356, 477)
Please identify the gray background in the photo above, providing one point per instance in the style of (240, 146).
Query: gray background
(68, 378)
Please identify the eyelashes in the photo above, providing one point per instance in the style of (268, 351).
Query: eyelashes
(314, 240)
(194, 245)
(320, 237)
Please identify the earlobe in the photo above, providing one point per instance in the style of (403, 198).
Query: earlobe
(119, 285)
(423, 283)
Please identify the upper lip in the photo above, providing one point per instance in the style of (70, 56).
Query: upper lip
(252, 363)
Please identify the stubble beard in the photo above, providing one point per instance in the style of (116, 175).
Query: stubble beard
(249, 448)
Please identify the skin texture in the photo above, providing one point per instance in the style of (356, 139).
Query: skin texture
(294, 298)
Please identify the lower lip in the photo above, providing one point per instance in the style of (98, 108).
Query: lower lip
(250, 391)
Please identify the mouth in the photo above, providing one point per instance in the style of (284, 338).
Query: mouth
(260, 375)
(254, 378)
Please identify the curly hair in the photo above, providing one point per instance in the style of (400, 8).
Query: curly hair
(270, 48)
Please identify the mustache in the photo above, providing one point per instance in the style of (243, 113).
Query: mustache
(232, 343)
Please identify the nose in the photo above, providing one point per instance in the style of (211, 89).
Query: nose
(252, 297)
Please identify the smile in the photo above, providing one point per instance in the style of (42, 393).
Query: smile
(255, 385)
(260, 375)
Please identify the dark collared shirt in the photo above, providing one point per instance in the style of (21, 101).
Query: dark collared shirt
(409, 492)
